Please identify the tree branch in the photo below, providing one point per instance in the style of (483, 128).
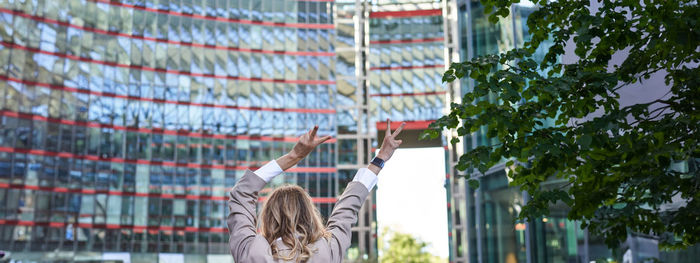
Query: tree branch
(663, 109)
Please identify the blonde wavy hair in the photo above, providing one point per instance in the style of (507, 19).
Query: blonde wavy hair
(289, 214)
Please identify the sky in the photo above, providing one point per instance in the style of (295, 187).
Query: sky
(411, 196)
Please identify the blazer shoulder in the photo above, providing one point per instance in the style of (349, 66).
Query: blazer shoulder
(260, 243)
(258, 251)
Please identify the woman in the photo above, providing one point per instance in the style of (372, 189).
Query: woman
(291, 229)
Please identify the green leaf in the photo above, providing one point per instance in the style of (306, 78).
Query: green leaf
(473, 183)
(585, 141)
(448, 77)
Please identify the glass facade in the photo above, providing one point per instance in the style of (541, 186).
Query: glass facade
(390, 58)
(408, 47)
(354, 135)
(124, 123)
(407, 59)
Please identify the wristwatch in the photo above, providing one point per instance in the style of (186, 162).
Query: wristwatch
(378, 162)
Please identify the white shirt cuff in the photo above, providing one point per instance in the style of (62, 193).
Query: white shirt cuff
(366, 177)
(269, 171)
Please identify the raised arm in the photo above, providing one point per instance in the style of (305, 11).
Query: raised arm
(346, 208)
(245, 244)
(242, 219)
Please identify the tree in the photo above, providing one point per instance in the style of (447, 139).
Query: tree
(404, 248)
(555, 120)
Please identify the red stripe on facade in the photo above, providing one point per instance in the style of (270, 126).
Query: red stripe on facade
(159, 163)
(407, 67)
(109, 192)
(146, 68)
(113, 226)
(29, 116)
(104, 32)
(406, 41)
(410, 125)
(127, 97)
(393, 14)
(409, 94)
(319, 200)
(214, 18)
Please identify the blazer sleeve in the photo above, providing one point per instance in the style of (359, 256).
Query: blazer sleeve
(343, 216)
(245, 244)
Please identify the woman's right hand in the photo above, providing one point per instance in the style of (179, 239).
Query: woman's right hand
(306, 143)
(390, 143)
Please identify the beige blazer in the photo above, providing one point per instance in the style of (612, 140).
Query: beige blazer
(247, 246)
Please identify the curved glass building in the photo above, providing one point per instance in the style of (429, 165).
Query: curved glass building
(124, 123)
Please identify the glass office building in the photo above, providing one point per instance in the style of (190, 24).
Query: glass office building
(124, 123)
(353, 131)
(407, 46)
(393, 70)
(406, 63)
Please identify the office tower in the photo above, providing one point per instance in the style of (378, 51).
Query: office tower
(354, 133)
(125, 123)
(397, 51)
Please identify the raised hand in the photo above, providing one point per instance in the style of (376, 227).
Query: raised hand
(306, 143)
(390, 143)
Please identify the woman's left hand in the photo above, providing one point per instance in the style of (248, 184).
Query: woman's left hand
(306, 143)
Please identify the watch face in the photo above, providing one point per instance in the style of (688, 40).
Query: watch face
(378, 162)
